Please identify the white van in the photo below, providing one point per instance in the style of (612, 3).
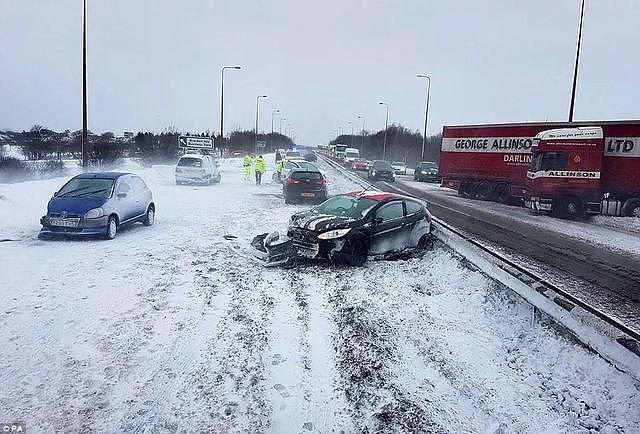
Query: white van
(351, 154)
(196, 168)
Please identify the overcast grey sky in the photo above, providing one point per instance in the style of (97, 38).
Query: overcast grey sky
(157, 62)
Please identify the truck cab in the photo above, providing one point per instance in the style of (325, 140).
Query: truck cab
(564, 176)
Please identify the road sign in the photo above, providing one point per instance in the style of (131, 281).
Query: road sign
(195, 142)
(261, 144)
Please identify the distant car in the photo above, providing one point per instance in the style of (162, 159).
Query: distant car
(304, 185)
(100, 204)
(310, 157)
(359, 164)
(350, 227)
(195, 168)
(399, 167)
(427, 171)
(297, 159)
(381, 170)
(292, 154)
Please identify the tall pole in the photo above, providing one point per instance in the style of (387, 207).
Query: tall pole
(224, 68)
(362, 145)
(575, 68)
(257, 114)
(426, 112)
(84, 85)
(386, 126)
(351, 124)
(272, 113)
(281, 119)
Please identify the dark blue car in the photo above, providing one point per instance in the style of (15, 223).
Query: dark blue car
(98, 204)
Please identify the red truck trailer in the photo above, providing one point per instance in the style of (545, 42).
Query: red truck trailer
(490, 162)
(586, 170)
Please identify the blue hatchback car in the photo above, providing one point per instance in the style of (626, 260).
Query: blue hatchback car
(98, 204)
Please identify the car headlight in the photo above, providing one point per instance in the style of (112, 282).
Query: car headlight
(94, 213)
(336, 233)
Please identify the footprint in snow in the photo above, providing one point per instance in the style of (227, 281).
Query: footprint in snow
(282, 390)
(277, 359)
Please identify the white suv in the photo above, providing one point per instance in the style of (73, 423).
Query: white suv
(196, 168)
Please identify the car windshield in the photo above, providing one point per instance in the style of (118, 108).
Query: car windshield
(293, 154)
(428, 165)
(346, 206)
(85, 187)
(384, 165)
(398, 163)
(352, 154)
(190, 162)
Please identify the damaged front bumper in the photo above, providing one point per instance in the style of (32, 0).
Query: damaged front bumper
(276, 249)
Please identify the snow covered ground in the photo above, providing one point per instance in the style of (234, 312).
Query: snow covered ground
(617, 233)
(173, 328)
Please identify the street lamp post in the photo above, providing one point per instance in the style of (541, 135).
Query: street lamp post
(224, 68)
(273, 111)
(84, 85)
(426, 112)
(282, 119)
(386, 125)
(362, 145)
(257, 117)
(351, 124)
(575, 68)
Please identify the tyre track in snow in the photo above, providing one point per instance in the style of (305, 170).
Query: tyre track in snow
(366, 349)
(232, 389)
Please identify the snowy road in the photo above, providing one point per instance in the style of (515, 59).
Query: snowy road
(173, 328)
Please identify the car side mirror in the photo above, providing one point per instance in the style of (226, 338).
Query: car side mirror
(377, 220)
(55, 194)
(121, 195)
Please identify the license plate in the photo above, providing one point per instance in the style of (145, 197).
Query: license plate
(66, 223)
(308, 194)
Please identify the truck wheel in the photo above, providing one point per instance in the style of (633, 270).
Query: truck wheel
(466, 189)
(570, 208)
(502, 193)
(483, 190)
(631, 207)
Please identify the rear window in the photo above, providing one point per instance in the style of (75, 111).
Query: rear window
(305, 175)
(398, 163)
(293, 154)
(382, 165)
(190, 162)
